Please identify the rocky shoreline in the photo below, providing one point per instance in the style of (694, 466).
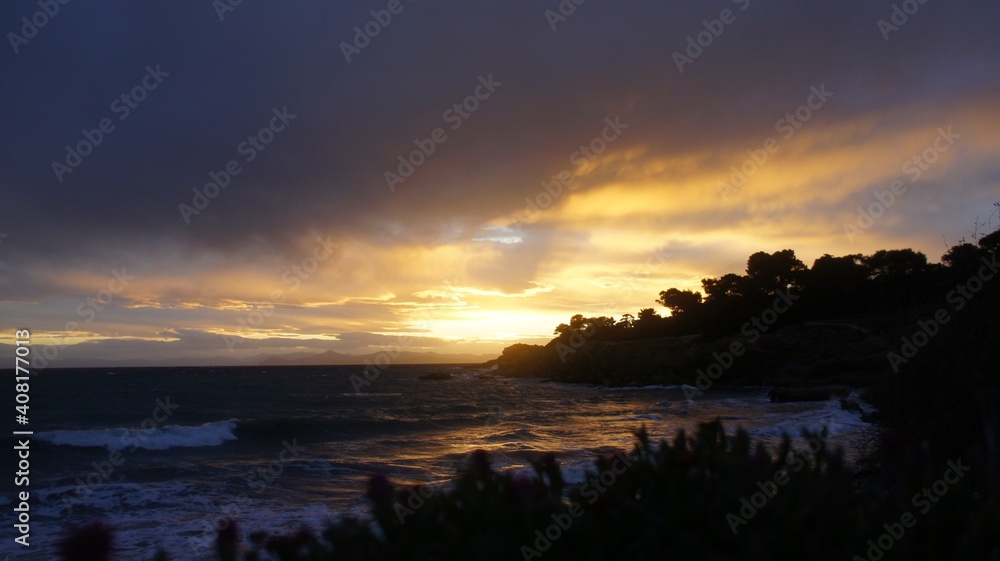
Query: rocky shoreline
(834, 355)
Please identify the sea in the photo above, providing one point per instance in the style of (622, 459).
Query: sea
(164, 455)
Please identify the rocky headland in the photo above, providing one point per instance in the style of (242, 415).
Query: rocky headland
(833, 355)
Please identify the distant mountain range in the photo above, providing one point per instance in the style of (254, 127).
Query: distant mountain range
(329, 358)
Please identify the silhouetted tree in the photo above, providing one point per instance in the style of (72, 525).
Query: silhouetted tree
(603, 322)
(837, 283)
(780, 270)
(595, 327)
(964, 260)
(627, 321)
(899, 278)
(887, 281)
(647, 315)
(991, 242)
(680, 301)
(729, 285)
(896, 262)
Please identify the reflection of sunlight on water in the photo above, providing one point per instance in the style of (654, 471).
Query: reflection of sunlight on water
(585, 427)
(415, 432)
(516, 422)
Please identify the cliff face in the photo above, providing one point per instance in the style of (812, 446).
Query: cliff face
(803, 354)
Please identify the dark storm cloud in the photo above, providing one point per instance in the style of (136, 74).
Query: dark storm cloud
(352, 120)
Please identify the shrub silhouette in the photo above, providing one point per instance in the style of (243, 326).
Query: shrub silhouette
(712, 496)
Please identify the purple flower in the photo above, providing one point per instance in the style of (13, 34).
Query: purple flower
(87, 543)
(227, 541)
(379, 489)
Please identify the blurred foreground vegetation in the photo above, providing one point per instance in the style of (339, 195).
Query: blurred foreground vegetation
(710, 496)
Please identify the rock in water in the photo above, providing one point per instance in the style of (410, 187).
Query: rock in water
(435, 376)
(814, 393)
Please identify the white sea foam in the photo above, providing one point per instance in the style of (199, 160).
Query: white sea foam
(116, 439)
(639, 388)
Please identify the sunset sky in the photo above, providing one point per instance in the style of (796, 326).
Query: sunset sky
(312, 247)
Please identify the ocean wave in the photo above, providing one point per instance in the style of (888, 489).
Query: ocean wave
(331, 429)
(645, 417)
(117, 439)
(829, 416)
(640, 388)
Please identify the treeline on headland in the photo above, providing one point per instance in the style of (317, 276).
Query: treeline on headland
(848, 320)
(849, 286)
